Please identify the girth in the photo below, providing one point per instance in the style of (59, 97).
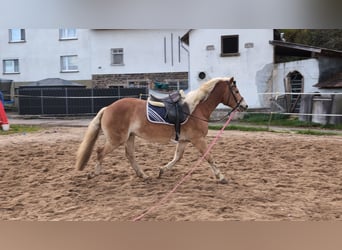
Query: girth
(176, 111)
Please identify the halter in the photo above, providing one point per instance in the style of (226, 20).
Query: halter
(238, 103)
(235, 98)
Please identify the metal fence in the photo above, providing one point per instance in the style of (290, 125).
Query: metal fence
(71, 101)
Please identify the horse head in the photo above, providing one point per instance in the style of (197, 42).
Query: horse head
(232, 97)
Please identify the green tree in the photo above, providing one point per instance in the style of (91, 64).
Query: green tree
(325, 38)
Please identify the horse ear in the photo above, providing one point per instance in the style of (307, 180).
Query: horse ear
(231, 80)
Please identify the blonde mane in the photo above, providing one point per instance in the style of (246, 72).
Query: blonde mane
(194, 97)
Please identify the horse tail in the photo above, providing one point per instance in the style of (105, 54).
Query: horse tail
(90, 137)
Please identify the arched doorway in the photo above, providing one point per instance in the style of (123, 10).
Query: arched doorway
(294, 84)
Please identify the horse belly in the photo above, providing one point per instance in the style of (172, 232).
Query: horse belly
(155, 132)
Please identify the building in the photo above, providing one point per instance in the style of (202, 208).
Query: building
(95, 58)
(137, 57)
(252, 57)
(29, 55)
(165, 60)
(244, 54)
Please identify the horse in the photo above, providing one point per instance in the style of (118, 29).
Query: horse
(126, 118)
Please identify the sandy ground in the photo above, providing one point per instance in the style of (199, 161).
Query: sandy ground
(272, 177)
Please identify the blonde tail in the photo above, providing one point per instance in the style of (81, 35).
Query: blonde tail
(86, 147)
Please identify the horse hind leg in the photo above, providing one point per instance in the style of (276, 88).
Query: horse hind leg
(177, 156)
(131, 157)
(101, 153)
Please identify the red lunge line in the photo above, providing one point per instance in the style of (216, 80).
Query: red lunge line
(190, 171)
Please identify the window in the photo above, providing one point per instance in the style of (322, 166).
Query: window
(69, 64)
(16, 35)
(11, 66)
(230, 45)
(117, 56)
(137, 83)
(170, 85)
(67, 34)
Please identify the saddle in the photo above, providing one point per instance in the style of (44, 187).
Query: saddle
(176, 110)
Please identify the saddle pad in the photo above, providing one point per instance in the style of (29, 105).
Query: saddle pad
(156, 114)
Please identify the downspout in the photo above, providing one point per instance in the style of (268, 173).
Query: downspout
(187, 51)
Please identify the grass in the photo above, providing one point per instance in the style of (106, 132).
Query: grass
(283, 120)
(238, 127)
(14, 129)
(262, 122)
(314, 132)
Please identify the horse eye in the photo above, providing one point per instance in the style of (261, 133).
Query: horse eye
(237, 92)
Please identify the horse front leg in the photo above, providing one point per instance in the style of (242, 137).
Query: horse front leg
(202, 146)
(131, 157)
(177, 156)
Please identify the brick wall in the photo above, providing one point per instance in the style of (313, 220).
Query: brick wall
(105, 80)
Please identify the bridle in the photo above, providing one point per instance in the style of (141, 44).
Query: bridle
(238, 103)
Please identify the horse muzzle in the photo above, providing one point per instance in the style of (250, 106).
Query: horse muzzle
(243, 106)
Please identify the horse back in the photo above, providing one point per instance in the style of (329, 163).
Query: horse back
(119, 115)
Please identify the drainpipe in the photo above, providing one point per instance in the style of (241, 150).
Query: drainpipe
(187, 51)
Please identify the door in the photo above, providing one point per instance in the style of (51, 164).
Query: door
(294, 87)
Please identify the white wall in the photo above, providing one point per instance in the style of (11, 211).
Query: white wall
(309, 68)
(244, 68)
(39, 55)
(143, 51)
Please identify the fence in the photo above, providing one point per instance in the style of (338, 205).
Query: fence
(71, 101)
(322, 108)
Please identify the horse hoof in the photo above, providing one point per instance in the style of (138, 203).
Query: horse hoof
(90, 176)
(146, 178)
(223, 181)
(143, 176)
(161, 171)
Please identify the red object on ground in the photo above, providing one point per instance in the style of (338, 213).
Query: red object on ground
(3, 116)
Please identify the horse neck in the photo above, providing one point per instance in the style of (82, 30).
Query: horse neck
(206, 107)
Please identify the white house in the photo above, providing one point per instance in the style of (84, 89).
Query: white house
(29, 55)
(97, 58)
(138, 57)
(250, 55)
(172, 59)
(244, 54)
(143, 51)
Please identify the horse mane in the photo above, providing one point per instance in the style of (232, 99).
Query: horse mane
(196, 96)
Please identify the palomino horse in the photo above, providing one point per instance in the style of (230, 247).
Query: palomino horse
(126, 118)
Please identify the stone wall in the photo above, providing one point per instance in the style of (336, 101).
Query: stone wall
(106, 80)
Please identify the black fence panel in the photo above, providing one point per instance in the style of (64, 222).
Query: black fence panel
(30, 101)
(54, 101)
(104, 97)
(80, 101)
(71, 101)
(134, 92)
